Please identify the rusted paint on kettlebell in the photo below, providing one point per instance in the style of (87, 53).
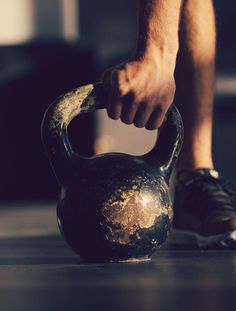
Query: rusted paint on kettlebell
(112, 206)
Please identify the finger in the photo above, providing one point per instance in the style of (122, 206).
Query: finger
(129, 108)
(156, 119)
(117, 94)
(114, 106)
(142, 116)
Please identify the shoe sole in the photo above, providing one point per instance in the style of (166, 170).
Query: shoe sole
(192, 239)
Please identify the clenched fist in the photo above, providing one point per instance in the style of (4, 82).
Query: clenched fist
(140, 92)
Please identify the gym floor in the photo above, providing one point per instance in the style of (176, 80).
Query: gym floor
(39, 272)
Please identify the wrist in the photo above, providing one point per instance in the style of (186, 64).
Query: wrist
(157, 55)
(158, 29)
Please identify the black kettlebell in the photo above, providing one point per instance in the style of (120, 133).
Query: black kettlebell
(112, 206)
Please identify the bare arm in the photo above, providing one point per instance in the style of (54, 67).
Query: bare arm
(142, 89)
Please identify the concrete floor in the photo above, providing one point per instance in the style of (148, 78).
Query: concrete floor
(39, 272)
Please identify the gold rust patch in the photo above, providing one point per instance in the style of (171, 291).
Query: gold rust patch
(69, 105)
(135, 210)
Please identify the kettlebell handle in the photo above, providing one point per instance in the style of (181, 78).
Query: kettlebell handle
(168, 144)
(89, 98)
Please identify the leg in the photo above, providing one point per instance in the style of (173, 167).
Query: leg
(195, 82)
(204, 206)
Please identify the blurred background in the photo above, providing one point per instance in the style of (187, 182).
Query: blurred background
(50, 47)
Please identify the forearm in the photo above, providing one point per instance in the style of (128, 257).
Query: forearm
(158, 28)
(198, 32)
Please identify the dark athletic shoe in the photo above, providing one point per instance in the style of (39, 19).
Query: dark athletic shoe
(204, 211)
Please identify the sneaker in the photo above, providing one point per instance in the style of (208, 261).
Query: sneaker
(204, 211)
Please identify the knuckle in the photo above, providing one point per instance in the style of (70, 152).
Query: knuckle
(134, 105)
(167, 100)
(163, 106)
(121, 83)
(144, 106)
(161, 109)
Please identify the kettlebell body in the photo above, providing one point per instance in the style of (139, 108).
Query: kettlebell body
(112, 206)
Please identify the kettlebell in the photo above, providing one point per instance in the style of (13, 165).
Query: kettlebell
(112, 206)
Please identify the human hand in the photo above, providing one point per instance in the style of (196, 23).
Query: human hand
(140, 92)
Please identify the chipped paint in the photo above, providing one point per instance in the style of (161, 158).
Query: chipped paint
(70, 105)
(128, 211)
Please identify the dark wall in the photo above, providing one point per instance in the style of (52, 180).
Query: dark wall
(226, 25)
(109, 27)
(31, 77)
